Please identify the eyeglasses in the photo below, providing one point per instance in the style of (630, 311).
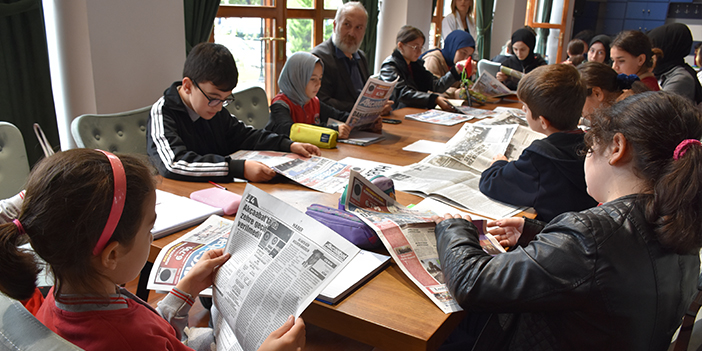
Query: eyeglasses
(416, 47)
(214, 102)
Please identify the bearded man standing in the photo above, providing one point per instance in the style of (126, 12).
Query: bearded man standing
(345, 66)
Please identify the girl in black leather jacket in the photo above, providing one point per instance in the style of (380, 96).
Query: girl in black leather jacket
(615, 277)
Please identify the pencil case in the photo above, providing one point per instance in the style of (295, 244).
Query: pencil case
(315, 135)
(226, 200)
(345, 224)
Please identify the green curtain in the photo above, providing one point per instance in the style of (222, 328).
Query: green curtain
(199, 20)
(483, 25)
(25, 83)
(544, 16)
(369, 40)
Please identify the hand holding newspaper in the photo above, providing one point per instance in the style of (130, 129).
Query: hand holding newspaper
(281, 260)
(370, 102)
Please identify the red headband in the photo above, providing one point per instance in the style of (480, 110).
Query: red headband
(682, 147)
(120, 193)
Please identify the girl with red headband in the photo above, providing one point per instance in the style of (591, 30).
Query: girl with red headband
(89, 214)
(619, 276)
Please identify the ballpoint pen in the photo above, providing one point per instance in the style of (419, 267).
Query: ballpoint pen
(217, 185)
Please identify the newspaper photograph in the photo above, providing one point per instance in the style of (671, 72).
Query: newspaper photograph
(473, 147)
(454, 187)
(178, 257)
(281, 259)
(370, 102)
(502, 118)
(489, 86)
(475, 112)
(318, 173)
(440, 117)
(407, 235)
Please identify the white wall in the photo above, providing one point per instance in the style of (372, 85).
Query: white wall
(111, 56)
(509, 16)
(393, 15)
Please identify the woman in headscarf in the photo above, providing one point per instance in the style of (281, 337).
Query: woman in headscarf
(297, 101)
(416, 87)
(458, 46)
(524, 59)
(674, 42)
(599, 49)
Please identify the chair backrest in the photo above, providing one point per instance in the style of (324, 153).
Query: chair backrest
(14, 165)
(488, 66)
(19, 330)
(123, 132)
(251, 107)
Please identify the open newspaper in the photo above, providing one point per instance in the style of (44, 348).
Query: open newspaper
(488, 85)
(407, 235)
(523, 136)
(370, 102)
(319, 173)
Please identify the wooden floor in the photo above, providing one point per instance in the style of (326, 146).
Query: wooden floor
(318, 338)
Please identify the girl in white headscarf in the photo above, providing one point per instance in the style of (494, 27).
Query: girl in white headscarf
(297, 101)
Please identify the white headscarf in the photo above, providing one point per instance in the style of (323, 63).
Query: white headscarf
(295, 76)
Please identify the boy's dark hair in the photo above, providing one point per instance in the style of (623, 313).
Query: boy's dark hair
(68, 199)
(635, 43)
(576, 60)
(654, 124)
(408, 33)
(209, 62)
(597, 74)
(576, 47)
(554, 92)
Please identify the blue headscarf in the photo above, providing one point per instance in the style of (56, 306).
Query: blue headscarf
(456, 40)
(295, 76)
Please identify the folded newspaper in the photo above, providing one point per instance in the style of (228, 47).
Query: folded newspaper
(489, 86)
(281, 260)
(370, 102)
(407, 235)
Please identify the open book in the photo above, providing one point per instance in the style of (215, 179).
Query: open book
(175, 213)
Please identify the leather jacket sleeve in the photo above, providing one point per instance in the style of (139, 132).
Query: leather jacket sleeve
(538, 277)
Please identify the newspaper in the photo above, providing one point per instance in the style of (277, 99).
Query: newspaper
(488, 85)
(281, 260)
(370, 102)
(178, 257)
(318, 173)
(408, 236)
(523, 136)
(457, 188)
(440, 117)
(473, 147)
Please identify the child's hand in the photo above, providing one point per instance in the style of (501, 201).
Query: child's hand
(202, 274)
(499, 157)
(289, 337)
(305, 149)
(255, 171)
(501, 76)
(344, 131)
(438, 219)
(377, 126)
(509, 230)
(387, 108)
(444, 104)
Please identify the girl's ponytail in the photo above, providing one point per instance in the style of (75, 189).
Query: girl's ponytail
(18, 267)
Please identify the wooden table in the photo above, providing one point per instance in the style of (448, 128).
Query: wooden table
(389, 312)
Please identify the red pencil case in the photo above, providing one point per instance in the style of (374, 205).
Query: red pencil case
(226, 200)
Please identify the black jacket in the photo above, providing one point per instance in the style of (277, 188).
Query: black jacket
(199, 151)
(413, 90)
(548, 176)
(594, 280)
(514, 63)
(337, 90)
(280, 120)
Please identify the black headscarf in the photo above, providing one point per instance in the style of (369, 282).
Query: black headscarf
(606, 42)
(526, 36)
(675, 40)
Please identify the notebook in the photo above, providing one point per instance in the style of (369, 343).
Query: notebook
(361, 269)
(175, 213)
